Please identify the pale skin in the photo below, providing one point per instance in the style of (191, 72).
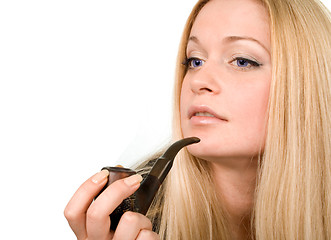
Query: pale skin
(90, 219)
(228, 77)
(224, 99)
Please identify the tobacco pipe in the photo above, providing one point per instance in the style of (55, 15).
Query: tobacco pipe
(143, 197)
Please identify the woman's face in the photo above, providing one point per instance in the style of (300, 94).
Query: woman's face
(225, 91)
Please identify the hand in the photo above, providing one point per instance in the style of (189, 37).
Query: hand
(90, 220)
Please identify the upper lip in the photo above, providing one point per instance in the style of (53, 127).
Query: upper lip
(203, 108)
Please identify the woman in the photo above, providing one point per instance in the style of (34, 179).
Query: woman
(253, 83)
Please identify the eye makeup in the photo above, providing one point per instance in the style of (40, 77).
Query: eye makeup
(244, 63)
(193, 62)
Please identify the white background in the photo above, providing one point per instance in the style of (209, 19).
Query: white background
(83, 84)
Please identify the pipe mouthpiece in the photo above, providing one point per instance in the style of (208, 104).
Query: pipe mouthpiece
(172, 151)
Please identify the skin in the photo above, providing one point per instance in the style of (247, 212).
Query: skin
(90, 219)
(235, 91)
(231, 142)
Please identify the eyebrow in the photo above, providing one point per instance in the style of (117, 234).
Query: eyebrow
(233, 39)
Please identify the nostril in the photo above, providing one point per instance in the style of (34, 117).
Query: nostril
(206, 89)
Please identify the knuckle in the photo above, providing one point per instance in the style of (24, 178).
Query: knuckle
(136, 220)
(130, 217)
(149, 224)
(93, 214)
(70, 215)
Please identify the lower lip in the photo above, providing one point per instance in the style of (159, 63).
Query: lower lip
(204, 120)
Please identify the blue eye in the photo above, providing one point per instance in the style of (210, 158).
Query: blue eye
(242, 63)
(245, 63)
(193, 62)
(196, 63)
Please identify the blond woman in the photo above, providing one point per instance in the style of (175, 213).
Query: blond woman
(253, 83)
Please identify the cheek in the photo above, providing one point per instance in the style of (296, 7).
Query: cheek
(252, 108)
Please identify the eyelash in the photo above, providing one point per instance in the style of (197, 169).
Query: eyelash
(187, 62)
(253, 64)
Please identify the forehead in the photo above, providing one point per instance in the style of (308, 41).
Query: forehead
(222, 18)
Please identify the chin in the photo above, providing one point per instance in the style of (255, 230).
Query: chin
(210, 149)
(205, 150)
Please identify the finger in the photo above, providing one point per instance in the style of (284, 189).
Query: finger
(98, 221)
(75, 211)
(130, 225)
(147, 235)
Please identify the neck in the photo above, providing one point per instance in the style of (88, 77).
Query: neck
(235, 185)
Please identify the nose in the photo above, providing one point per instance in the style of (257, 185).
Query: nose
(205, 80)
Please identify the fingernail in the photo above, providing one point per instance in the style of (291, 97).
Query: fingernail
(133, 180)
(100, 176)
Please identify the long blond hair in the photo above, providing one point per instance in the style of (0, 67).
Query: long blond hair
(293, 193)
